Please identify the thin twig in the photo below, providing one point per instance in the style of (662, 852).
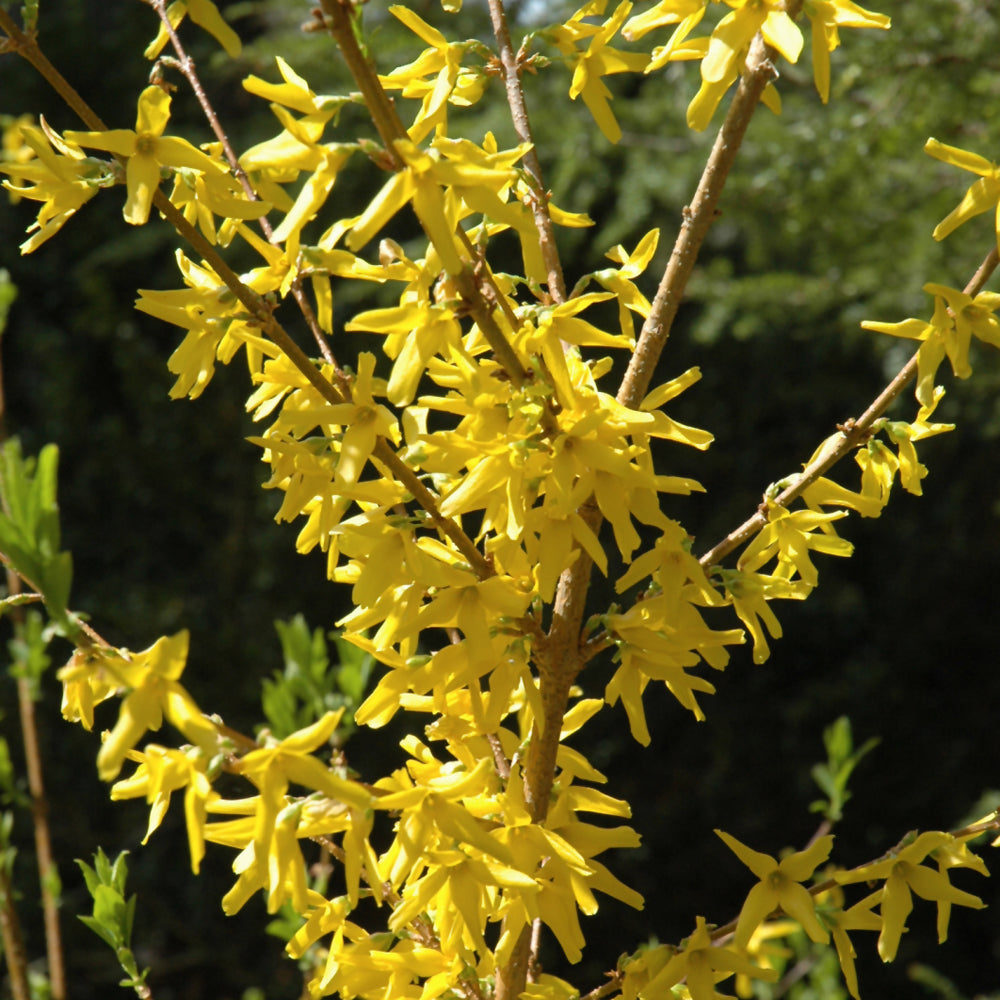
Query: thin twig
(13, 940)
(255, 305)
(47, 870)
(187, 66)
(511, 67)
(390, 128)
(697, 220)
(612, 986)
(853, 432)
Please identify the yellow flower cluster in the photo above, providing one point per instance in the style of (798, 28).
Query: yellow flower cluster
(452, 477)
(710, 956)
(465, 852)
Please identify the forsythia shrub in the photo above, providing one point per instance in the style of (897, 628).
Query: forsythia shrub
(457, 480)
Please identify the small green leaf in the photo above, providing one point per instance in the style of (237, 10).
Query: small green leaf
(89, 876)
(98, 928)
(8, 290)
(109, 912)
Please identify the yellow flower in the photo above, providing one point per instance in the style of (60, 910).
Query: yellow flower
(63, 179)
(972, 317)
(878, 471)
(599, 60)
(750, 593)
(415, 331)
(733, 34)
(215, 324)
(200, 202)
(162, 771)
(680, 48)
(982, 196)
(939, 339)
(765, 947)
(957, 319)
(791, 535)
(702, 965)
(858, 918)
(152, 679)
(205, 14)
(954, 855)
(827, 16)
(663, 13)
(780, 887)
(823, 492)
(87, 681)
(903, 873)
(421, 181)
(449, 82)
(146, 150)
(619, 281)
(272, 860)
(294, 93)
(272, 767)
(365, 422)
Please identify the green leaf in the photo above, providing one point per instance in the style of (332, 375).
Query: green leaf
(27, 651)
(8, 292)
(90, 876)
(119, 872)
(29, 525)
(11, 792)
(832, 777)
(310, 685)
(109, 912)
(99, 929)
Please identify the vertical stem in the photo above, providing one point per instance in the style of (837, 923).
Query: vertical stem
(522, 125)
(13, 940)
(39, 805)
(43, 840)
(559, 659)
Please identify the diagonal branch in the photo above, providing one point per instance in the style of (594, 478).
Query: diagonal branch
(698, 219)
(186, 65)
(562, 655)
(852, 433)
(258, 309)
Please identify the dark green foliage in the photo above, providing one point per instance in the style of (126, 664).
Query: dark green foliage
(308, 687)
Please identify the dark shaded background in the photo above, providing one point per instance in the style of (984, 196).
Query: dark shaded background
(827, 222)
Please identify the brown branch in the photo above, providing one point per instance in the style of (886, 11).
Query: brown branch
(853, 432)
(186, 65)
(511, 68)
(259, 311)
(612, 986)
(13, 940)
(390, 128)
(697, 220)
(47, 870)
(562, 654)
